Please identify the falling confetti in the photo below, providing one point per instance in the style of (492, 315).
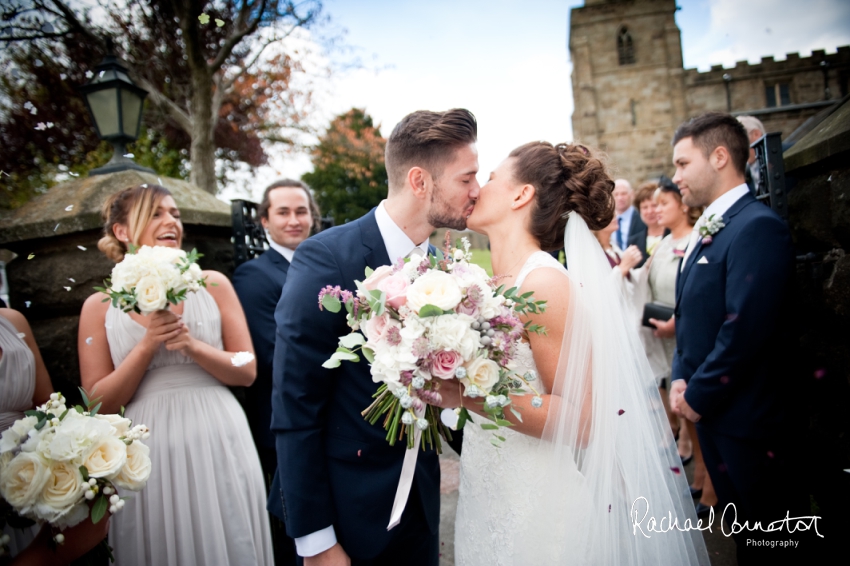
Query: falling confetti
(769, 454)
(819, 374)
(144, 185)
(72, 280)
(89, 340)
(63, 76)
(67, 288)
(69, 208)
(82, 248)
(158, 180)
(129, 155)
(72, 174)
(29, 106)
(21, 335)
(620, 412)
(609, 507)
(28, 303)
(41, 126)
(100, 76)
(30, 256)
(89, 74)
(676, 470)
(57, 227)
(219, 23)
(204, 19)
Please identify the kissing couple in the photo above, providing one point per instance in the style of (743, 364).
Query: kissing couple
(560, 488)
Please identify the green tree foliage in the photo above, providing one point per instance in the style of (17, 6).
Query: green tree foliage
(349, 176)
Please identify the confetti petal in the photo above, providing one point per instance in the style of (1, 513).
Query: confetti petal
(72, 174)
(204, 19)
(30, 256)
(72, 280)
(769, 454)
(218, 22)
(819, 374)
(129, 155)
(67, 288)
(676, 470)
(21, 335)
(28, 303)
(57, 227)
(83, 248)
(89, 340)
(89, 74)
(69, 208)
(620, 412)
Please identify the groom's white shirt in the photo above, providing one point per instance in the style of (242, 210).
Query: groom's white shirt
(398, 245)
(717, 208)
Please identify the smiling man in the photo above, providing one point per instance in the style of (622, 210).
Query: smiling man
(289, 214)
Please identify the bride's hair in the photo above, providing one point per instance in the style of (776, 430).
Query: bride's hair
(133, 207)
(566, 177)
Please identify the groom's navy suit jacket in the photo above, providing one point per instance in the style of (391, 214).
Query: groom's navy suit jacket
(334, 468)
(732, 324)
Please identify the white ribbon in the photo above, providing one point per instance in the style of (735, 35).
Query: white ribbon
(408, 468)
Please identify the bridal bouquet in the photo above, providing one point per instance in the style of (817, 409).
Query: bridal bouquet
(424, 321)
(152, 277)
(61, 465)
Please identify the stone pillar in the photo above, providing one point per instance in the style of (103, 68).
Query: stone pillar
(55, 239)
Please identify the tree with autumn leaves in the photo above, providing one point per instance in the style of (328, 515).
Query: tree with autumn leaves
(218, 78)
(349, 176)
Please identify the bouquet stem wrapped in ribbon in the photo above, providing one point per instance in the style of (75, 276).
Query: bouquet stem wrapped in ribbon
(424, 323)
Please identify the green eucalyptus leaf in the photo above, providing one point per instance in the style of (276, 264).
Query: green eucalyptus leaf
(352, 340)
(430, 310)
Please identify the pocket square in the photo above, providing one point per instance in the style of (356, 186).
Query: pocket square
(702, 260)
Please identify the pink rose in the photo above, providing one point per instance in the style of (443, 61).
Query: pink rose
(371, 282)
(376, 328)
(395, 286)
(444, 363)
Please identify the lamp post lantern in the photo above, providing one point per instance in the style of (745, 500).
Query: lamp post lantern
(115, 105)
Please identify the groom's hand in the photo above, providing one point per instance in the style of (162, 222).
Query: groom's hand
(334, 556)
(677, 394)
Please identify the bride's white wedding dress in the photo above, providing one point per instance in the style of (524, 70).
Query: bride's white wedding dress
(563, 500)
(486, 526)
(205, 501)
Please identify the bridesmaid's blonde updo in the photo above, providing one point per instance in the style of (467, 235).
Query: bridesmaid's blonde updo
(133, 207)
(567, 178)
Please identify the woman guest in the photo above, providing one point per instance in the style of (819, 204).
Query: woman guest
(647, 238)
(622, 262)
(205, 501)
(679, 219)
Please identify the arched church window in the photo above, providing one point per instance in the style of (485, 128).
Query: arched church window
(625, 47)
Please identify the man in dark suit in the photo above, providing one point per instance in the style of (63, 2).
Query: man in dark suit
(337, 475)
(289, 214)
(730, 370)
(628, 217)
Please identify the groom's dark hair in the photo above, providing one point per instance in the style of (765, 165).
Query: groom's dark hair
(713, 129)
(427, 139)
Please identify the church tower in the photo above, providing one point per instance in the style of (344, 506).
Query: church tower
(628, 83)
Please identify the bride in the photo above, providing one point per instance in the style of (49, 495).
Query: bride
(578, 479)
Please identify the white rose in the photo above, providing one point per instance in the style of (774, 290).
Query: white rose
(434, 288)
(22, 480)
(137, 468)
(491, 307)
(63, 488)
(70, 516)
(74, 436)
(119, 423)
(16, 433)
(106, 457)
(471, 274)
(454, 332)
(482, 372)
(150, 294)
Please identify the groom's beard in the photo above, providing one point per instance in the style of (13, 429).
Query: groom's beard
(441, 216)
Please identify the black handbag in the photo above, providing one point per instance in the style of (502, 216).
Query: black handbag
(656, 311)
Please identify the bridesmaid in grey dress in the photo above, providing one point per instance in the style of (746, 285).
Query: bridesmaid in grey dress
(24, 383)
(205, 501)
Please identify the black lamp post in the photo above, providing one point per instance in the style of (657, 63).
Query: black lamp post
(115, 105)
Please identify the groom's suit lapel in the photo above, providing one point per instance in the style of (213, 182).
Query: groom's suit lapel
(737, 207)
(374, 249)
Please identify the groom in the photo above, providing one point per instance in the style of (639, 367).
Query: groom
(337, 475)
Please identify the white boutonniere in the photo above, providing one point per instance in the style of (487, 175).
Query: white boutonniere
(712, 226)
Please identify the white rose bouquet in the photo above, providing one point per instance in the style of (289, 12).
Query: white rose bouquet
(151, 278)
(57, 459)
(424, 321)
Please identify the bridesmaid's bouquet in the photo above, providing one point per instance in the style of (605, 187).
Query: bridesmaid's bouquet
(62, 464)
(150, 278)
(425, 321)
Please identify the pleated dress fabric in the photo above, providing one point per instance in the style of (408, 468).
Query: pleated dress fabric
(17, 385)
(205, 502)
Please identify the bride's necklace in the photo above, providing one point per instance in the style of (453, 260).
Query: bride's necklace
(514, 266)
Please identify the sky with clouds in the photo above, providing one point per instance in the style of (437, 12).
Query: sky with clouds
(508, 61)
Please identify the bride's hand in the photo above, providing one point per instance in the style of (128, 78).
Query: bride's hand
(450, 392)
(163, 325)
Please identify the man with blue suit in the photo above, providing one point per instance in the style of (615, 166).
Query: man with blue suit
(731, 372)
(289, 214)
(337, 475)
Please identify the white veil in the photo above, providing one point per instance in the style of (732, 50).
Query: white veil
(601, 456)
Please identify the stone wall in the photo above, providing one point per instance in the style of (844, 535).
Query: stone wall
(630, 111)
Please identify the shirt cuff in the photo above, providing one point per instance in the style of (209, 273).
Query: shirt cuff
(315, 543)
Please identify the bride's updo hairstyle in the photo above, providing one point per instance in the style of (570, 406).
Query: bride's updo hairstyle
(566, 178)
(133, 207)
